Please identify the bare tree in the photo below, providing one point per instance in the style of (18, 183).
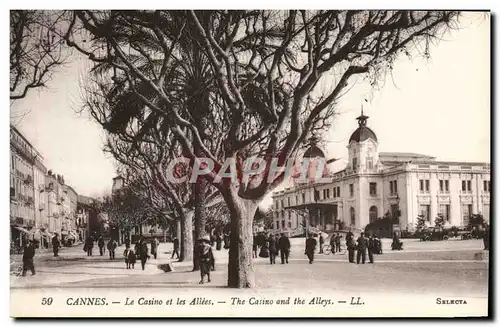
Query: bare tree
(267, 67)
(37, 48)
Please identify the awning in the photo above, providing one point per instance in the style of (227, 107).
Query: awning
(311, 206)
(23, 230)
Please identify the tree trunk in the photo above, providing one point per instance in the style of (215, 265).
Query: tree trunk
(178, 227)
(199, 216)
(241, 272)
(186, 236)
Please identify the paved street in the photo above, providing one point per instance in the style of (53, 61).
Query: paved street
(451, 268)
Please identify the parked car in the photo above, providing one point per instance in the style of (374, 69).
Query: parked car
(434, 234)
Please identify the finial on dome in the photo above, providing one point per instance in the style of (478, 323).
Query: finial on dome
(362, 119)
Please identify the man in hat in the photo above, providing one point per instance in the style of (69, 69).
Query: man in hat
(349, 239)
(284, 247)
(310, 247)
(205, 257)
(56, 245)
(176, 248)
(371, 248)
(362, 245)
(321, 242)
(28, 255)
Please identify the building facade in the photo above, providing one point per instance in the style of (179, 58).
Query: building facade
(41, 204)
(374, 185)
(22, 189)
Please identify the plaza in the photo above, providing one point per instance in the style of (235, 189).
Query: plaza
(448, 268)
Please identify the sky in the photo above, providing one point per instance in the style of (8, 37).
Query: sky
(438, 107)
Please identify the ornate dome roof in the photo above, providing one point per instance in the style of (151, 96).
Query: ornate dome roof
(362, 133)
(314, 152)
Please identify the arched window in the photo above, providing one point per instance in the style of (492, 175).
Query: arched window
(373, 213)
(353, 217)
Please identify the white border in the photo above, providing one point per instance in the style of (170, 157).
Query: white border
(352, 4)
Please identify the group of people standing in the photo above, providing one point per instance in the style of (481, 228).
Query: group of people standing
(361, 246)
(272, 246)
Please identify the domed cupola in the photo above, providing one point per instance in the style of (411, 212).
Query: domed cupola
(362, 133)
(314, 151)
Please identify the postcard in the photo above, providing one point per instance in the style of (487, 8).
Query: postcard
(249, 163)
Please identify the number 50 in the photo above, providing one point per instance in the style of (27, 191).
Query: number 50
(47, 301)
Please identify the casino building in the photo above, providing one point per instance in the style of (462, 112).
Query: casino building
(376, 184)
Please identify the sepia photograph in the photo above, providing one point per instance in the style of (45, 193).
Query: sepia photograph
(250, 163)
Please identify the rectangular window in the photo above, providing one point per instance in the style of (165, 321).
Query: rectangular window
(324, 194)
(354, 164)
(338, 191)
(373, 188)
(303, 198)
(351, 190)
(369, 162)
(447, 185)
(391, 188)
(334, 192)
(425, 211)
(283, 224)
(427, 185)
(421, 185)
(296, 199)
(466, 212)
(328, 193)
(395, 187)
(444, 210)
(464, 186)
(316, 195)
(441, 185)
(469, 186)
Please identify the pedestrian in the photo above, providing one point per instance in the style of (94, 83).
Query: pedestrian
(378, 244)
(321, 242)
(56, 245)
(176, 248)
(154, 247)
(129, 257)
(218, 242)
(254, 247)
(142, 252)
(349, 238)
(226, 241)
(486, 237)
(273, 249)
(205, 257)
(332, 242)
(28, 255)
(310, 248)
(100, 244)
(337, 243)
(127, 242)
(396, 244)
(361, 247)
(284, 246)
(112, 245)
(371, 248)
(264, 250)
(89, 245)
